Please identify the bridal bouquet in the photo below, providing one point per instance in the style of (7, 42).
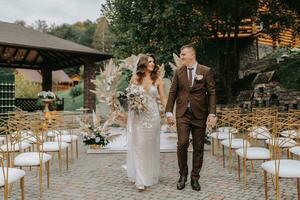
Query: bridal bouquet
(136, 99)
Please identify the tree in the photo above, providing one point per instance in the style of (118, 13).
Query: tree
(161, 26)
(164, 26)
(103, 39)
(40, 25)
(20, 22)
(224, 19)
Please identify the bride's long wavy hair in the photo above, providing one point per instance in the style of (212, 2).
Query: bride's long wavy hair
(142, 66)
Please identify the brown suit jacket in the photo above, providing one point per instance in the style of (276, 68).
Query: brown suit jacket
(202, 96)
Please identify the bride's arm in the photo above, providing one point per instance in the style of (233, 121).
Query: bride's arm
(160, 86)
(133, 79)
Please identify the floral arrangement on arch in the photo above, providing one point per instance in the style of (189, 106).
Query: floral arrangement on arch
(46, 95)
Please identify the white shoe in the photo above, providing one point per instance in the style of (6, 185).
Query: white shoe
(140, 188)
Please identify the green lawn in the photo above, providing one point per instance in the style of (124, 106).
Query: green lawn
(69, 103)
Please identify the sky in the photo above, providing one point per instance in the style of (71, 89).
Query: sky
(53, 11)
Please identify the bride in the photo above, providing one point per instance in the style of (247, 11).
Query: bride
(143, 129)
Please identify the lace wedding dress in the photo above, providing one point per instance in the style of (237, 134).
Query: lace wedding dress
(143, 140)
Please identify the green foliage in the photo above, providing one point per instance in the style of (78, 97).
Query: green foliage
(161, 27)
(289, 73)
(279, 17)
(103, 38)
(76, 91)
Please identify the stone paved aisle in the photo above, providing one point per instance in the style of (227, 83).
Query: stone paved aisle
(100, 176)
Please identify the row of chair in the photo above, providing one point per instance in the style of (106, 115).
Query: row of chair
(262, 135)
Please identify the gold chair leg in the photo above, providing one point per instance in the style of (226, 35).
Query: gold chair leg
(67, 158)
(298, 187)
(277, 187)
(223, 154)
(239, 167)
(72, 150)
(22, 188)
(48, 173)
(213, 146)
(59, 163)
(6, 191)
(77, 149)
(266, 184)
(230, 159)
(245, 173)
(41, 180)
(252, 166)
(10, 189)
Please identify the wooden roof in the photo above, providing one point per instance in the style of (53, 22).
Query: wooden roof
(22, 47)
(265, 77)
(246, 95)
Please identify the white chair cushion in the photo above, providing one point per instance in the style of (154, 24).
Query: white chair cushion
(227, 129)
(52, 133)
(287, 168)
(31, 158)
(235, 143)
(290, 134)
(67, 138)
(221, 135)
(26, 132)
(254, 153)
(53, 146)
(14, 174)
(16, 147)
(259, 132)
(65, 132)
(31, 139)
(281, 142)
(295, 150)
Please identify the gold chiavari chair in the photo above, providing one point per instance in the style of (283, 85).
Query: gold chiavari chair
(223, 130)
(9, 175)
(255, 152)
(280, 168)
(15, 142)
(294, 116)
(56, 126)
(285, 133)
(38, 158)
(68, 133)
(238, 141)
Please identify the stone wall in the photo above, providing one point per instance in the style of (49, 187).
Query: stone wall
(248, 52)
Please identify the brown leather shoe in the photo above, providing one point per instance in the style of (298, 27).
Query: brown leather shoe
(181, 182)
(195, 185)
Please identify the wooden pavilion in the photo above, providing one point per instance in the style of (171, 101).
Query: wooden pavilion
(22, 47)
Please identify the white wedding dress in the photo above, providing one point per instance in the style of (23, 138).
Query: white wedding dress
(143, 142)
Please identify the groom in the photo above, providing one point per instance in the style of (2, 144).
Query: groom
(193, 89)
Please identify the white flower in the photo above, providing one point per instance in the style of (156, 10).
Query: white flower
(198, 77)
(97, 139)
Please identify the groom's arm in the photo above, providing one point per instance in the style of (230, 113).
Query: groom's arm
(211, 91)
(172, 95)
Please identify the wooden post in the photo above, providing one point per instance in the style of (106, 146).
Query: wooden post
(89, 74)
(47, 78)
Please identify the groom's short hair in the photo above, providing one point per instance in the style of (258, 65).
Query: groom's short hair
(189, 46)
